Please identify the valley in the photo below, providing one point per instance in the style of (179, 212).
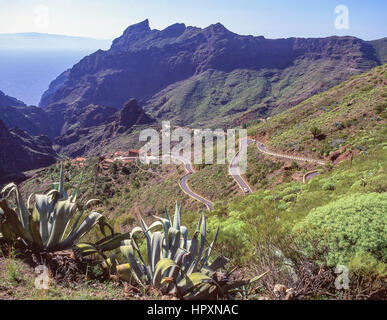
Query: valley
(313, 195)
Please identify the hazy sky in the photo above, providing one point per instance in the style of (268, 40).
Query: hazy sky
(106, 19)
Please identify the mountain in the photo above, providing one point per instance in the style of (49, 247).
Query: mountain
(98, 126)
(29, 61)
(351, 115)
(6, 101)
(380, 46)
(21, 152)
(206, 76)
(34, 120)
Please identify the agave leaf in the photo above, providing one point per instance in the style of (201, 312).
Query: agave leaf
(62, 214)
(85, 249)
(189, 282)
(177, 217)
(156, 244)
(189, 260)
(167, 215)
(184, 233)
(166, 225)
(29, 205)
(155, 224)
(124, 272)
(174, 242)
(8, 190)
(21, 209)
(44, 207)
(89, 202)
(13, 221)
(80, 215)
(128, 252)
(147, 235)
(34, 225)
(177, 273)
(146, 270)
(162, 266)
(144, 225)
(135, 230)
(202, 241)
(87, 224)
(111, 242)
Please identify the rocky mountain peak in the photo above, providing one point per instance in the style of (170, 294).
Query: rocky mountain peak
(131, 34)
(174, 30)
(217, 28)
(142, 26)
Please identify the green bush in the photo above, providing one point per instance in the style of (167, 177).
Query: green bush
(328, 186)
(351, 226)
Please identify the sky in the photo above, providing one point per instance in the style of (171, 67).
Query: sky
(107, 19)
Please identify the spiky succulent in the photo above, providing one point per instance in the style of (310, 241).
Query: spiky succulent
(176, 264)
(43, 223)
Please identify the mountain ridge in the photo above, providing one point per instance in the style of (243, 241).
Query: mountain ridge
(22, 152)
(201, 76)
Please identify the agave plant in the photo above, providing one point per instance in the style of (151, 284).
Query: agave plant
(176, 264)
(44, 224)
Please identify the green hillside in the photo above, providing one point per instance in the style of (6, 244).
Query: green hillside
(214, 97)
(337, 217)
(353, 113)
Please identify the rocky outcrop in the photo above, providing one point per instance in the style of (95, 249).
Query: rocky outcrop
(131, 114)
(97, 125)
(21, 152)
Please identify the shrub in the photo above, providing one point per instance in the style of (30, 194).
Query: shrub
(315, 132)
(351, 226)
(328, 186)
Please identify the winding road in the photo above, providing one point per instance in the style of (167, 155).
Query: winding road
(184, 183)
(242, 183)
(234, 170)
(262, 148)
